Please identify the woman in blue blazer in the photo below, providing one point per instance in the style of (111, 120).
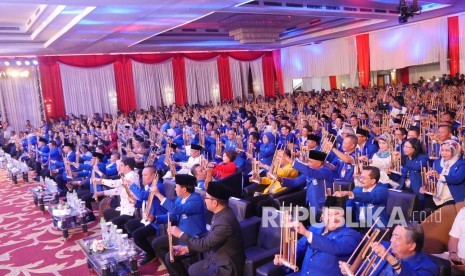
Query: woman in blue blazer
(267, 149)
(449, 172)
(412, 162)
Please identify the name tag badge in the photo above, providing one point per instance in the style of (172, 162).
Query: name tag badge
(184, 216)
(315, 182)
(407, 182)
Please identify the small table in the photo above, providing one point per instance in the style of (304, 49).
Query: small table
(74, 219)
(110, 262)
(42, 196)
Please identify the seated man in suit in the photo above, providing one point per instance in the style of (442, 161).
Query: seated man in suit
(188, 212)
(324, 244)
(406, 257)
(369, 199)
(223, 243)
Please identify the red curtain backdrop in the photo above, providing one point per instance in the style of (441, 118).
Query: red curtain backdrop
(268, 75)
(123, 77)
(363, 57)
(332, 82)
(52, 89)
(404, 75)
(179, 75)
(224, 75)
(278, 69)
(125, 85)
(454, 46)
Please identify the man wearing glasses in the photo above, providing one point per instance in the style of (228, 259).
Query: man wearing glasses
(405, 256)
(369, 199)
(223, 243)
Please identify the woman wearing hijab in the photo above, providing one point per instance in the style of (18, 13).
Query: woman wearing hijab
(449, 172)
(382, 160)
(267, 149)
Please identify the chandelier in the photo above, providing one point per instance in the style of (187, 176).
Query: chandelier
(256, 28)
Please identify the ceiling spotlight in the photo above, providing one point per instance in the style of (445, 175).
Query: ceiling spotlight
(27, 62)
(35, 62)
(18, 63)
(7, 63)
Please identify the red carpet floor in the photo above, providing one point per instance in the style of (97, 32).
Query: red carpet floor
(29, 245)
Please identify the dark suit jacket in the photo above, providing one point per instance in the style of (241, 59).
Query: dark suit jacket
(223, 243)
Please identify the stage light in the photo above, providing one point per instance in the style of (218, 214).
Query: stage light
(27, 62)
(19, 63)
(13, 73)
(35, 62)
(7, 63)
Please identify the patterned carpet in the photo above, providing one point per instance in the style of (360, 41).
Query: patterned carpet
(29, 245)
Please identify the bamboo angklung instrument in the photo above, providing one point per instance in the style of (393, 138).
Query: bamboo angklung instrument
(170, 239)
(148, 206)
(288, 241)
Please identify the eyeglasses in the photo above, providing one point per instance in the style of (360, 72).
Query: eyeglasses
(211, 198)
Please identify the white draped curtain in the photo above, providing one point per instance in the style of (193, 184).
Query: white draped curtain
(20, 100)
(89, 90)
(153, 81)
(462, 42)
(330, 58)
(240, 76)
(237, 78)
(202, 81)
(414, 44)
(256, 68)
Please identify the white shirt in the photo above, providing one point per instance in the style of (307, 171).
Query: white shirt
(126, 207)
(458, 231)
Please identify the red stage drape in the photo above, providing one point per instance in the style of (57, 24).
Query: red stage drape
(52, 89)
(268, 75)
(179, 75)
(123, 75)
(125, 85)
(454, 45)
(333, 82)
(363, 57)
(224, 75)
(278, 69)
(404, 75)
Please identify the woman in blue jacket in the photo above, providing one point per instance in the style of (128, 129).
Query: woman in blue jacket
(412, 162)
(267, 149)
(449, 172)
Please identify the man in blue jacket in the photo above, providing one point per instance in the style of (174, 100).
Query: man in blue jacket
(369, 199)
(324, 244)
(187, 212)
(405, 257)
(316, 176)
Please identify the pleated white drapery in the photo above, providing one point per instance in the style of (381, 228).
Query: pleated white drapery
(330, 58)
(89, 90)
(202, 81)
(237, 78)
(462, 42)
(153, 81)
(20, 100)
(257, 76)
(415, 44)
(240, 76)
